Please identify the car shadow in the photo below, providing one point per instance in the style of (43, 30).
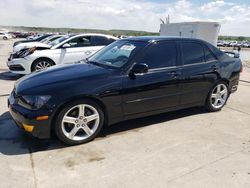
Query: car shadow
(9, 76)
(14, 141)
(134, 124)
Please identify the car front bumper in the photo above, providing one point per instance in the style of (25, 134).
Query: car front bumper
(19, 65)
(27, 120)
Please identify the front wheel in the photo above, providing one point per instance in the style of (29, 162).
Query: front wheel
(41, 64)
(79, 122)
(217, 97)
(5, 38)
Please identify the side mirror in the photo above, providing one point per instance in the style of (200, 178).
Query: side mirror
(139, 68)
(66, 45)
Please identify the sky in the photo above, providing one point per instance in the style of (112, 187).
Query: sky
(126, 14)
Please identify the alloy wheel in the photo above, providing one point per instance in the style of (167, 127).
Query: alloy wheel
(42, 65)
(80, 122)
(219, 96)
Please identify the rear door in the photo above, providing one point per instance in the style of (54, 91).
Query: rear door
(199, 72)
(157, 89)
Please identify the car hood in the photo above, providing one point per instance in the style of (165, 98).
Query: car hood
(60, 74)
(30, 45)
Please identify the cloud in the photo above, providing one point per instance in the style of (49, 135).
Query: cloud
(215, 6)
(123, 14)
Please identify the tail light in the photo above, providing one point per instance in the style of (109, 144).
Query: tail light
(241, 68)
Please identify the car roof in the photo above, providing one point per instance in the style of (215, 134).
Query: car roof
(159, 38)
(93, 34)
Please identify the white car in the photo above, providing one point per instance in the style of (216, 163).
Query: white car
(43, 43)
(68, 49)
(32, 37)
(5, 36)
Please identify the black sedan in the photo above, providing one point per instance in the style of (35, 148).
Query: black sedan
(130, 78)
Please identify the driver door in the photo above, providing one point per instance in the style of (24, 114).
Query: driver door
(158, 89)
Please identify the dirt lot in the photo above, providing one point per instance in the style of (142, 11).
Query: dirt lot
(188, 148)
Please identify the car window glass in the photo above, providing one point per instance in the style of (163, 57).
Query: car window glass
(160, 55)
(101, 41)
(79, 42)
(208, 55)
(59, 40)
(192, 53)
(118, 53)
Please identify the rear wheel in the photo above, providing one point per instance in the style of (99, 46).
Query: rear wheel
(79, 122)
(5, 38)
(41, 64)
(217, 97)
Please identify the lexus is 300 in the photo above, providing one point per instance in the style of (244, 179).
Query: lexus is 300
(130, 78)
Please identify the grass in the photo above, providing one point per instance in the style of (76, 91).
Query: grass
(76, 30)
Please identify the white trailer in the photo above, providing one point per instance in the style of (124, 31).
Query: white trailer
(207, 31)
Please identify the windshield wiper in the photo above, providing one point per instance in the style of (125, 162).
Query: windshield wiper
(97, 64)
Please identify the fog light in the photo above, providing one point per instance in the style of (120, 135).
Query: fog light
(28, 128)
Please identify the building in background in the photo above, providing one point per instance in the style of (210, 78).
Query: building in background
(207, 31)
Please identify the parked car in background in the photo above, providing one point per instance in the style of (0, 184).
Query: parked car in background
(33, 37)
(246, 45)
(5, 36)
(43, 43)
(130, 78)
(34, 40)
(67, 49)
(19, 34)
(221, 43)
(243, 44)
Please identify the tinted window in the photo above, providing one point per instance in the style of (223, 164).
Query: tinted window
(160, 55)
(208, 55)
(79, 42)
(101, 41)
(192, 53)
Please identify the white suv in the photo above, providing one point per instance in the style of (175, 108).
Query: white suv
(5, 36)
(68, 49)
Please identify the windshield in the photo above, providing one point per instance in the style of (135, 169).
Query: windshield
(39, 38)
(118, 53)
(58, 41)
(46, 39)
(52, 39)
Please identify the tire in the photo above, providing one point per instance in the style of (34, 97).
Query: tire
(5, 38)
(219, 93)
(41, 64)
(73, 127)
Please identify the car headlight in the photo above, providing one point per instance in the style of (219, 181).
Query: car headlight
(25, 52)
(33, 102)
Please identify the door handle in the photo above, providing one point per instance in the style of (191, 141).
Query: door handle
(174, 74)
(214, 67)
